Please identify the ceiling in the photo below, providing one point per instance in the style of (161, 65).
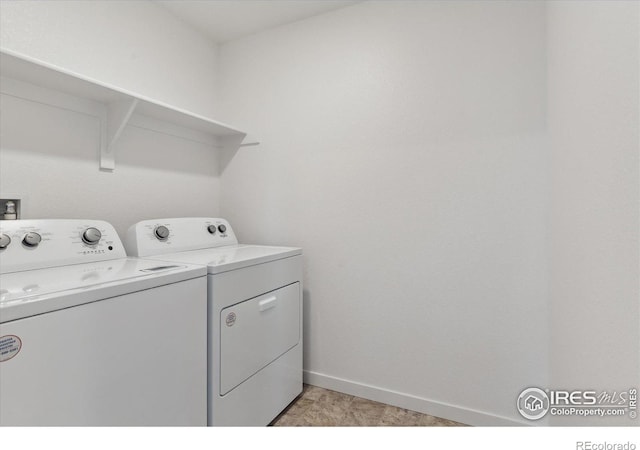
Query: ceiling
(226, 20)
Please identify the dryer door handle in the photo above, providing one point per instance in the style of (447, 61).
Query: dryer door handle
(267, 303)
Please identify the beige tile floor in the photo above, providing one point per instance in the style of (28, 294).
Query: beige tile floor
(322, 407)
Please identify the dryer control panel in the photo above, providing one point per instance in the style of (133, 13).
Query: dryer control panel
(38, 244)
(160, 236)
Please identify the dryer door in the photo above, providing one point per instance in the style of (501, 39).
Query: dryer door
(256, 332)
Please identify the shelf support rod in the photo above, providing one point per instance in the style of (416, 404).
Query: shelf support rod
(249, 141)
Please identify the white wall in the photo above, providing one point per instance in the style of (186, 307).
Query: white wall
(52, 154)
(135, 45)
(403, 147)
(593, 96)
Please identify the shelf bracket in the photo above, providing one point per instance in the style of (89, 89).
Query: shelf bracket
(118, 114)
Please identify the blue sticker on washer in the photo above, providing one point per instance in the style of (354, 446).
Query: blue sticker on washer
(10, 346)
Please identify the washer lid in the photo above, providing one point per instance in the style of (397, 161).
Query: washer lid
(32, 292)
(231, 257)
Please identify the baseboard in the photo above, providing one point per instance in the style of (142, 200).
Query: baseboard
(407, 401)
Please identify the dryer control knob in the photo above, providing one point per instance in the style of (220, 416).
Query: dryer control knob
(91, 236)
(222, 228)
(31, 239)
(4, 241)
(211, 229)
(161, 232)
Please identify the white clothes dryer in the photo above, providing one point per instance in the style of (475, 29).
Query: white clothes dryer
(255, 314)
(91, 337)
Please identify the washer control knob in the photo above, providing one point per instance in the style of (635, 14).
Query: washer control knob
(211, 229)
(31, 239)
(4, 241)
(91, 236)
(161, 232)
(222, 228)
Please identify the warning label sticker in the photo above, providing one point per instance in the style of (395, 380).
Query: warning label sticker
(10, 346)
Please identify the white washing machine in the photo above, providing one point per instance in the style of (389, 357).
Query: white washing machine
(91, 337)
(255, 314)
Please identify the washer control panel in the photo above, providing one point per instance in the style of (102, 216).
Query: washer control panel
(159, 236)
(37, 244)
